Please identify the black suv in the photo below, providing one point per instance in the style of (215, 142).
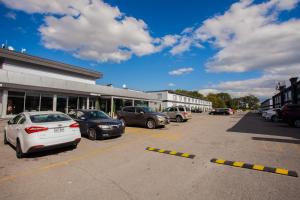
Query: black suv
(142, 116)
(96, 124)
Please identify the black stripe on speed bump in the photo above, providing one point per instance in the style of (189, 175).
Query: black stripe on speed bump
(280, 171)
(174, 153)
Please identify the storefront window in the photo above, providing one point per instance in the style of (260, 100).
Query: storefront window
(61, 104)
(46, 102)
(92, 103)
(15, 103)
(72, 104)
(82, 103)
(32, 102)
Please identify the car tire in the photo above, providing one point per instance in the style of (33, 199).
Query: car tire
(150, 124)
(274, 118)
(92, 135)
(297, 123)
(5, 141)
(19, 152)
(179, 119)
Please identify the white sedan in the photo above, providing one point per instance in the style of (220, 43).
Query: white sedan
(36, 131)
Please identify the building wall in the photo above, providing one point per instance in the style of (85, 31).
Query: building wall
(170, 99)
(51, 73)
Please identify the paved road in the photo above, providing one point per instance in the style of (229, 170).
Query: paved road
(120, 168)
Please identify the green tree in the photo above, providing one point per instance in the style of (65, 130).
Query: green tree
(226, 98)
(217, 102)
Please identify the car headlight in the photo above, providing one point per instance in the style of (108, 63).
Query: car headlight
(122, 123)
(104, 126)
(161, 118)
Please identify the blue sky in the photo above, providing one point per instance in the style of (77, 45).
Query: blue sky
(217, 53)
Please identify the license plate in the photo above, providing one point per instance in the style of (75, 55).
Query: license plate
(59, 130)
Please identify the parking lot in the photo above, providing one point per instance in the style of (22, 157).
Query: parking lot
(121, 168)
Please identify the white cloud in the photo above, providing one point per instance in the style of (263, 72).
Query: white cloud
(92, 29)
(11, 15)
(171, 84)
(181, 71)
(250, 37)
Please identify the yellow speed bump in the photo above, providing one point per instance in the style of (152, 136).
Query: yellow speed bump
(255, 167)
(174, 153)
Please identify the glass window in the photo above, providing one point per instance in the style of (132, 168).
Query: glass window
(128, 109)
(181, 109)
(49, 118)
(32, 102)
(15, 103)
(22, 120)
(72, 103)
(61, 104)
(82, 103)
(16, 119)
(172, 109)
(46, 102)
(97, 115)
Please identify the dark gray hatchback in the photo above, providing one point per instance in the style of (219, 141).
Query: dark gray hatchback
(142, 116)
(96, 124)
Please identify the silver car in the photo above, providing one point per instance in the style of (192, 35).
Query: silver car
(179, 113)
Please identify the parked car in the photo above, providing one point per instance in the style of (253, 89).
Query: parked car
(291, 114)
(96, 124)
(270, 115)
(142, 116)
(196, 110)
(221, 111)
(36, 131)
(178, 113)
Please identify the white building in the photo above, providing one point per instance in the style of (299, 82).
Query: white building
(30, 83)
(170, 98)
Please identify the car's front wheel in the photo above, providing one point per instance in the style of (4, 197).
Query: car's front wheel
(19, 152)
(297, 123)
(92, 134)
(150, 124)
(274, 118)
(5, 141)
(179, 118)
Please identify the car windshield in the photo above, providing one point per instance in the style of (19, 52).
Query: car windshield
(148, 110)
(98, 115)
(42, 118)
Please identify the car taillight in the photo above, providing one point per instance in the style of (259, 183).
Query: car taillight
(74, 125)
(34, 129)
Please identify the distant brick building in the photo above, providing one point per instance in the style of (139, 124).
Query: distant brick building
(288, 95)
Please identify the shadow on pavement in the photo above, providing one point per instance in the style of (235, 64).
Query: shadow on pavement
(276, 140)
(253, 123)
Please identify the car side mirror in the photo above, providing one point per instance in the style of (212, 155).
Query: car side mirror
(10, 122)
(141, 112)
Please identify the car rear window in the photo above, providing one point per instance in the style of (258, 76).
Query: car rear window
(181, 109)
(41, 118)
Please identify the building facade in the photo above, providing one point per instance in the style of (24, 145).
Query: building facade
(170, 98)
(267, 104)
(29, 83)
(288, 95)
